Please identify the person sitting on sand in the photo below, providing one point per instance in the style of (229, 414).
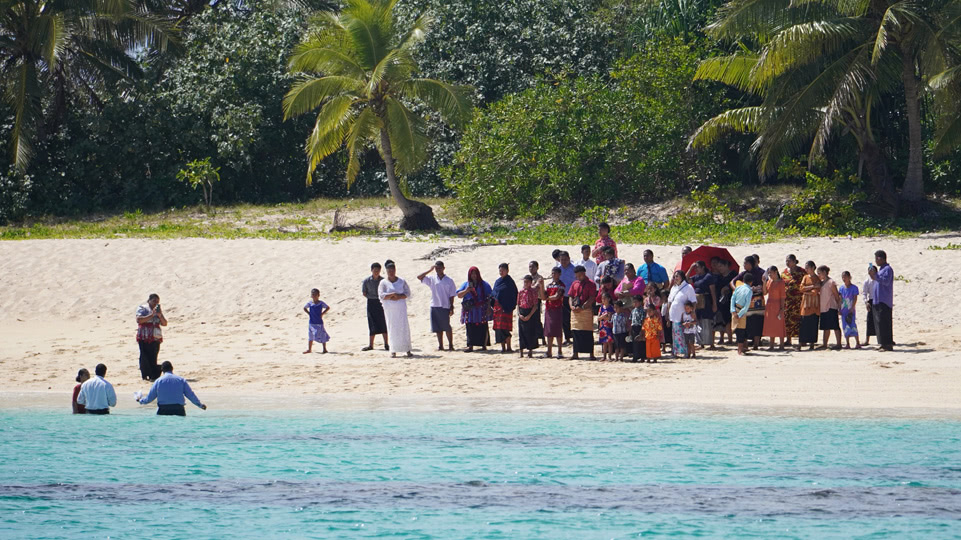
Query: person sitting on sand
(169, 391)
(96, 394)
(82, 376)
(315, 310)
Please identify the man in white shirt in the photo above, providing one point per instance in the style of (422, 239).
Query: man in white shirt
(96, 394)
(590, 267)
(442, 292)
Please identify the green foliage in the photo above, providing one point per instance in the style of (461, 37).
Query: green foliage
(501, 47)
(951, 246)
(596, 214)
(708, 204)
(200, 173)
(14, 192)
(587, 141)
(52, 50)
(826, 205)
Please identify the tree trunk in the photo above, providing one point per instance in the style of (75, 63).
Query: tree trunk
(417, 215)
(913, 190)
(880, 180)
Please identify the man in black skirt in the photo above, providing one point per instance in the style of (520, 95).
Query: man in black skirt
(376, 321)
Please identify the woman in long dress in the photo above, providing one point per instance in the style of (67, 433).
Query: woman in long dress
(393, 293)
(475, 295)
(774, 310)
(682, 292)
(792, 276)
(810, 307)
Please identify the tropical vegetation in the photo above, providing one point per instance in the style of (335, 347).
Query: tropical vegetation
(514, 108)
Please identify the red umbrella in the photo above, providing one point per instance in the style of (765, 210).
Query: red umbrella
(706, 253)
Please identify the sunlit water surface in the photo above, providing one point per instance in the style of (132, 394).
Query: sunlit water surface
(513, 475)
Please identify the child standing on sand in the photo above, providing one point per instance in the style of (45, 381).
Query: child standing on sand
(637, 329)
(653, 333)
(605, 327)
(621, 328)
(689, 323)
(849, 321)
(316, 310)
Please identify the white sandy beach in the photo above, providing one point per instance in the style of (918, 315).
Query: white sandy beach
(237, 327)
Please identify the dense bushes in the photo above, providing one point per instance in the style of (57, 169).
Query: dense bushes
(596, 140)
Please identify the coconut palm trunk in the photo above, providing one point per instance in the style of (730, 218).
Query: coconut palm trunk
(913, 190)
(418, 216)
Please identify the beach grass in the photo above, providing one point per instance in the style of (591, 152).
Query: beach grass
(376, 217)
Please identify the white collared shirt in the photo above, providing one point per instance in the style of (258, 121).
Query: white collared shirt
(96, 393)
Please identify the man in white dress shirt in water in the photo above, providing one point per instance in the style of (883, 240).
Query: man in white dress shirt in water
(442, 293)
(96, 394)
(169, 391)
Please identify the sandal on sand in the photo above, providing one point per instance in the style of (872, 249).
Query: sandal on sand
(367, 349)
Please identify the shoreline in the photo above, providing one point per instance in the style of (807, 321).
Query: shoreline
(269, 403)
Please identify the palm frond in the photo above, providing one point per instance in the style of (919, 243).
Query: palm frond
(804, 44)
(734, 70)
(452, 102)
(361, 22)
(742, 120)
(747, 17)
(24, 96)
(313, 57)
(333, 122)
(307, 94)
(365, 129)
(408, 141)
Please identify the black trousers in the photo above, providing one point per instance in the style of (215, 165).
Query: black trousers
(171, 410)
(883, 324)
(566, 320)
(148, 360)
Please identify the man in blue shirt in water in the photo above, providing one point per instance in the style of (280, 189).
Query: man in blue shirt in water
(169, 391)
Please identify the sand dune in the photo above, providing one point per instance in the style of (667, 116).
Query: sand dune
(236, 325)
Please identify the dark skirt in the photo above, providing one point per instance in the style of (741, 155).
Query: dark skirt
(583, 341)
(883, 323)
(829, 320)
(871, 330)
(554, 323)
(754, 326)
(376, 321)
(527, 331)
(740, 335)
(476, 334)
(809, 329)
(638, 345)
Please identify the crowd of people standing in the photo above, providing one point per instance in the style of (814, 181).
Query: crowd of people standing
(639, 313)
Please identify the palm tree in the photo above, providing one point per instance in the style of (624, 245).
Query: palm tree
(357, 66)
(821, 65)
(49, 49)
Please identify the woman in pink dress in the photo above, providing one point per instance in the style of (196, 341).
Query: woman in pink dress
(774, 308)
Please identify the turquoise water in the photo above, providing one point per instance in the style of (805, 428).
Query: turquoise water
(395, 474)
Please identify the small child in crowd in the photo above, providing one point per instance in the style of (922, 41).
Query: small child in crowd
(849, 300)
(621, 327)
(637, 329)
(653, 334)
(665, 320)
(689, 323)
(315, 309)
(605, 327)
